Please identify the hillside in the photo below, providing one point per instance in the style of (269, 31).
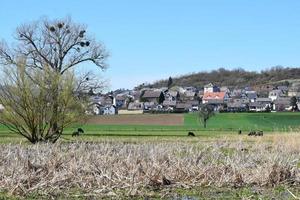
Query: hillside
(235, 78)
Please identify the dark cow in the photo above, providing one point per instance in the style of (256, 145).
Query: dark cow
(256, 133)
(75, 133)
(78, 132)
(240, 132)
(259, 133)
(191, 134)
(252, 133)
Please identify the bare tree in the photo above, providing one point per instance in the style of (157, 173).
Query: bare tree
(57, 46)
(205, 112)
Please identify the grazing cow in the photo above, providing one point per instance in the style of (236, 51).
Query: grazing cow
(75, 133)
(80, 130)
(259, 133)
(251, 133)
(256, 133)
(240, 132)
(191, 134)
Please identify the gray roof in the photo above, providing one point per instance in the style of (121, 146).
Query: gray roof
(193, 102)
(264, 100)
(209, 85)
(251, 95)
(258, 104)
(135, 106)
(285, 101)
(121, 97)
(173, 93)
(152, 94)
(169, 103)
(190, 94)
(283, 87)
(149, 104)
(277, 92)
(215, 101)
(183, 106)
(242, 100)
(236, 105)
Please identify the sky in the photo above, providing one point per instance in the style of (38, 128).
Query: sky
(149, 40)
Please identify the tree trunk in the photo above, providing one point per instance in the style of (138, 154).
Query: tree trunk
(54, 126)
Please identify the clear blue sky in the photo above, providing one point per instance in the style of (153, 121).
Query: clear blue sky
(153, 39)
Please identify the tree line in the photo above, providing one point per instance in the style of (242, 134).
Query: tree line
(235, 78)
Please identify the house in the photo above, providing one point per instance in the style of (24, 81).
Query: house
(172, 95)
(103, 99)
(264, 100)
(121, 101)
(241, 100)
(283, 88)
(192, 89)
(282, 104)
(136, 95)
(169, 105)
(275, 94)
(258, 106)
(135, 106)
(109, 110)
(237, 106)
(152, 96)
(94, 109)
(224, 89)
(188, 95)
(213, 96)
(149, 105)
(251, 95)
(294, 91)
(98, 109)
(182, 107)
(211, 88)
(194, 103)
(236, 93)
(200, 94)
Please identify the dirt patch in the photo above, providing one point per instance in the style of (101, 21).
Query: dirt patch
(143, 119)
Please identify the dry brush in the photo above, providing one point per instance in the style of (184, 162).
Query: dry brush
(117, 168)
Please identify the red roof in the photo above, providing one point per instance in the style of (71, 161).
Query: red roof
(214, 95)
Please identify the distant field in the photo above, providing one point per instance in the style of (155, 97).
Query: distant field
(246, 121)
(222, 123)
(177, 122)
(139, 119)
(180, 124)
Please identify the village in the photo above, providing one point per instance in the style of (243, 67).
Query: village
(178, 99)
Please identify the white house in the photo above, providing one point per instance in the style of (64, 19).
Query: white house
(211, 88)
(109, 110)
(275, 94)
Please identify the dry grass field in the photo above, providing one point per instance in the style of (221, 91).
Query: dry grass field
(152, 168)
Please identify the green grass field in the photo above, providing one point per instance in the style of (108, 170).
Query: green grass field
(247, 121)
(222, 123)
(281, 122)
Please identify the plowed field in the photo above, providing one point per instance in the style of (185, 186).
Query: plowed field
(142, 119)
